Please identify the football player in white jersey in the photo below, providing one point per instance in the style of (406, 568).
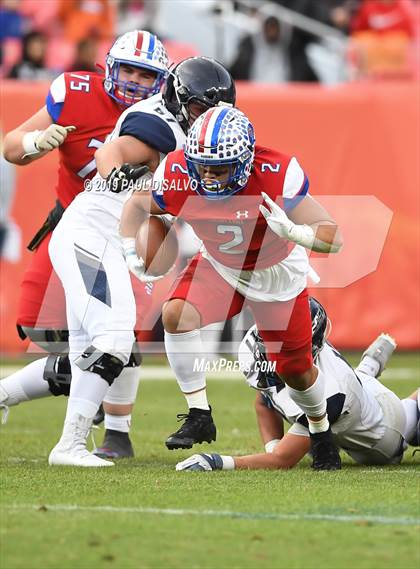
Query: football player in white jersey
(91, 103)
(87, 254)
(369, 422)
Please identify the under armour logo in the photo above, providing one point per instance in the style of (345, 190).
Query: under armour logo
(240, 214)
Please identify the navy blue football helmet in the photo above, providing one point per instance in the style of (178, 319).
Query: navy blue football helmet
(319, 325)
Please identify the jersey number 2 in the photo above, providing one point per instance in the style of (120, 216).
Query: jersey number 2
(236, 240)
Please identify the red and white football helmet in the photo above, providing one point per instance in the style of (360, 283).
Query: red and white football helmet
(137, 49)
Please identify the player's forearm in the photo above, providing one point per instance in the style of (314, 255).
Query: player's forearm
(327, 237)
(107, 157)
(270, 424)
(260, 462)
(288, 452)
(14, 148)
(133, 214)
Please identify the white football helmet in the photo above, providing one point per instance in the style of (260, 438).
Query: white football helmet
(137, 49)
(221, 137)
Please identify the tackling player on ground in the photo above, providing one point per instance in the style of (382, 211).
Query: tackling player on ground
(254, 255)
(368, 420)
(81, 110)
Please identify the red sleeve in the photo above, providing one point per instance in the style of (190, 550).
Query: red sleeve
(170, 183)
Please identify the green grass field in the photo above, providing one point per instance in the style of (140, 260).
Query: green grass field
(142, 513)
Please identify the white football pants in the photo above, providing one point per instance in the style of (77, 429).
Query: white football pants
(100, 302)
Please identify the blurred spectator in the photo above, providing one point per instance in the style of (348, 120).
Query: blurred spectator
(41, 15)
(140, 14)
(86, 56)
(384, 16)
(32, 65)
(86, 18)
(334, 13)
(263, 57)
(383, 33)
(12, 22)
(341, 13)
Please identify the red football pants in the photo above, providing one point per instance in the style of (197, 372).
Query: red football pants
(285, 327)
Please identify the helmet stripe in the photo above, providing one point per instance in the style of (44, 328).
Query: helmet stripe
(151, 46)
(217, 125)
(201, 138)
(139, 43)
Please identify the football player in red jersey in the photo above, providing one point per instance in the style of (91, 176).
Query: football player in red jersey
(81, 110)
(254, 255)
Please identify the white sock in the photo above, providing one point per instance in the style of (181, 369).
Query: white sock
(411, 417)
(121, 423)
(184, 352)
(318, 426)
(369, 366)
(87, 392)
(198, 400)
(228, 462)
(312, 402)
(26, 384)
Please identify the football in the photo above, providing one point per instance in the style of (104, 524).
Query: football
(157, 245)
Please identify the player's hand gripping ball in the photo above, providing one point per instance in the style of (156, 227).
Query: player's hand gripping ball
(157, 245)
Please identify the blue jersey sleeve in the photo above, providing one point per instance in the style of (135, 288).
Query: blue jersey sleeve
(54, 109)
(150, 129)
(56, 97)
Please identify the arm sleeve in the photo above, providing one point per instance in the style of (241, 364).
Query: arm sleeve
(56, 97)
(296, 185)
(150, 129)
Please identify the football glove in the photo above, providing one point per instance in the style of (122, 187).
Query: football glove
(124, 177)
(46, 140)
(201, 462)
(284, 227)
(135, 264)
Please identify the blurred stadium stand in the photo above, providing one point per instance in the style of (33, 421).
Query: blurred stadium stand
(330, 41)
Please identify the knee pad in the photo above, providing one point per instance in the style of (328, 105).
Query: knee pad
(135, 357)
(106, 365)
(52, 341)
(57, 373)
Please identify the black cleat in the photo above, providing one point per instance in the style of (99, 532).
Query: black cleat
(116, 445)
(197, 428)
(324, 452)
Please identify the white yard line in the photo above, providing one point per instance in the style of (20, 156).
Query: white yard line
(156, 373)
(361, 519)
